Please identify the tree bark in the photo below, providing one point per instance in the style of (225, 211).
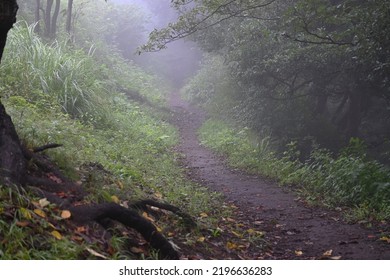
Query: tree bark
(8, 10)
(53, 28)
(38, 16)
(49, 6)
(69, 16)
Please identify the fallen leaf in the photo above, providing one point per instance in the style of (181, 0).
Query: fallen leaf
(22, 223)
(52, 226)
(43, 202)
(119, 184)
(239, 235)
(328, 253)
(203, 215)
(61, 194)
(54, 178)
(81, 229)
(56, 234)
(137, 250)
(298, 253)
(26, 213)
(77, 238)
(201, 239)
(40, 213)
(231, 246)
(158, 195)
(146, 216)
(335, 258)
(96, 254)
(115, 199)
(255, 232)
(65, 214)
(385, 238)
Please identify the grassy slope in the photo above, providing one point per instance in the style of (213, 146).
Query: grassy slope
(60, 95)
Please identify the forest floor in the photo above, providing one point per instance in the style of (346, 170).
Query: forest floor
(292, 229)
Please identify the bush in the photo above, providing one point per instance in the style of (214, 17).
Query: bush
(348, 179)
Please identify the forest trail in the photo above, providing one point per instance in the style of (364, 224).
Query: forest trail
(292, 229)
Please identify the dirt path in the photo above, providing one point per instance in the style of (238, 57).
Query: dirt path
(293, 230)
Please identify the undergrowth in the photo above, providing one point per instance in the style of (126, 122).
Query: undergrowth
(117, 148)
(347, 179)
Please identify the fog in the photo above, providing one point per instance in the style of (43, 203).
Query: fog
(181, 58)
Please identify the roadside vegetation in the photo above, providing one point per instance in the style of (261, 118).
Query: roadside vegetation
(298, 91)
(347, 180)
(112, 144)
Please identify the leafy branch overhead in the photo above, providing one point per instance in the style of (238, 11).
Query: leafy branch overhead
(196, 16)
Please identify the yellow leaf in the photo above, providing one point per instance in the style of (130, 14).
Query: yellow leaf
(203, 215)
(158, 195)
(201, 239)
(298, 253)
(43, 202)
(385, 238)
(328, 253)
(26, 213)
(146, 216)
(40, 213)
(119, 184)
(255, 232)
(66, 214)
(52, 226)
(231, 245)
(115, 199)
(239, 235)
(56, 234)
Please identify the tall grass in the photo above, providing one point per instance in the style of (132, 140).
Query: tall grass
(67, 75)
(55, 93)
(347, 179)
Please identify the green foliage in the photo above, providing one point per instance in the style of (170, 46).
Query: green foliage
(295, 69)
(114, 146)
(38, 69)
(348, 179)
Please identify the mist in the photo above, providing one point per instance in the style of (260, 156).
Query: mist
(178, 62)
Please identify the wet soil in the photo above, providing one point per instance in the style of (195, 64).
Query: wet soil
(293, 229)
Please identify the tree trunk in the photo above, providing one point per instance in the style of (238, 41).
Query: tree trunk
(13, 165)
(69, 16)
(38, 16)
(49, 6)
(53, 28)
(354, 115)
(8, 10)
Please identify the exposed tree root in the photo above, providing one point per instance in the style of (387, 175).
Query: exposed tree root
(25, 168)
(15, 170)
